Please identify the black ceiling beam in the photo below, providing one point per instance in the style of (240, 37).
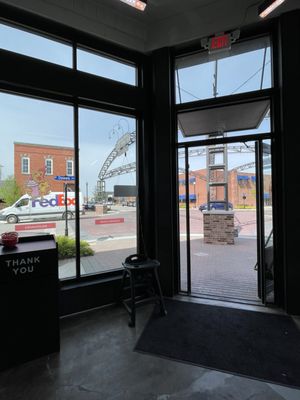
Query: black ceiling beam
(225, 100)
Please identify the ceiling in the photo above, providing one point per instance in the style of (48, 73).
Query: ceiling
(164, 22)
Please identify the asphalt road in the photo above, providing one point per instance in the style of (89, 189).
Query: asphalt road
(121, 222)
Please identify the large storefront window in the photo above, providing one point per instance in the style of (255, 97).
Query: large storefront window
(108, 186)
(37, 181)
(36, 142)
(66, 173)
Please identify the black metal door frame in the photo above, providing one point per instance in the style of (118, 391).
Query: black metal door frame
(261, 292)
(258, 139)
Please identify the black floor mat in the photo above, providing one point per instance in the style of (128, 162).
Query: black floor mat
(253, 344)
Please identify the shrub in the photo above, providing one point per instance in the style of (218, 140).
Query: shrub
(67, 247)
(10, 192)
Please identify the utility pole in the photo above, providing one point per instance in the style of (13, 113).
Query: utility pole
(87, 192)
(215, 84)
(66, 210)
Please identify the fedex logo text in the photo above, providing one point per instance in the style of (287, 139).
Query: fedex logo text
(58, 200)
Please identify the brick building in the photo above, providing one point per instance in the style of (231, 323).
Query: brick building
(36, 165)
(240, 184)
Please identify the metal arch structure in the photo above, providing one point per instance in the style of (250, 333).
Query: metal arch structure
(230, 149)
(121, 147)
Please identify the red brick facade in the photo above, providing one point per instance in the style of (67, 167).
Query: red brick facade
(239, 184)
(36, 180)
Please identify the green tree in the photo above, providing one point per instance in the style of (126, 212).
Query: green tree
(10, 192)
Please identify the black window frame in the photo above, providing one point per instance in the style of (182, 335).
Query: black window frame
(77, 89)
(251, 32)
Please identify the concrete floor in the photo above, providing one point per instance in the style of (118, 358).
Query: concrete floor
(97, 362)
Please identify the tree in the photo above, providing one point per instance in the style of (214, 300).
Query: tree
(10, 192)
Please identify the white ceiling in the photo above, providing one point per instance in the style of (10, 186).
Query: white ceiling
(164, 22)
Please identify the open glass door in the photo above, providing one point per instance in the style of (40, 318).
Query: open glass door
(265, 212)
(219, 261)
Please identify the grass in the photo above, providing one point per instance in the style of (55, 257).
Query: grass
(241, 206)
(67, 247)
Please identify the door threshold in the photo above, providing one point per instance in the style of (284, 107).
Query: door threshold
(193, 298)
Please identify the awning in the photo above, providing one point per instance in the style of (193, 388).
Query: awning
(182, 197)
(191, 180)
(243, 177)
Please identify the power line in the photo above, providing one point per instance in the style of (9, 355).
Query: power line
(180, 89)
(252, 76)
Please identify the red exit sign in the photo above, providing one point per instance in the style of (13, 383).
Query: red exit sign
(221, 42)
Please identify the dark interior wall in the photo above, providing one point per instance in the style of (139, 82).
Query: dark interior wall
(289, 82)
(163, 168)
(153, 103)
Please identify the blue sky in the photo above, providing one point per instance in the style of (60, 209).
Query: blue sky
(35, 121)
(42, 122)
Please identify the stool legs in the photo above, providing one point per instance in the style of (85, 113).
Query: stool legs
(120, 297)
(132, 288)
(163, 310)
(143, 277)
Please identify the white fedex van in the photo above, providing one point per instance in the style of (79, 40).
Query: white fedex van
(50, 206)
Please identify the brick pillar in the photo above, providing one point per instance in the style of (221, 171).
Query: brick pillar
(218, 227)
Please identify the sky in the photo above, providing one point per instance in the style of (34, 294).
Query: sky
(35, 121)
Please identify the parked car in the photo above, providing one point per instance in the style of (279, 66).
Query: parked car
(216, 205)
(89, 206)
(129, 203)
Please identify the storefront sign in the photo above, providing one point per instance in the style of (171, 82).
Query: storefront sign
(109, 221)
(29, 227)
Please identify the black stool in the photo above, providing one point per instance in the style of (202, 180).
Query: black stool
(142, 273)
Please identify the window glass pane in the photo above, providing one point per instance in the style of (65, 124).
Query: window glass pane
(244, 68)
(33, 45)
(25, 165)
(70, 167)
(108, 186)
(105, 67)
(31, 203)
(49, 167)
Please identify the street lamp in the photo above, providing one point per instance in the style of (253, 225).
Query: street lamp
(87, 193)
(66, 209)
(244, 198)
